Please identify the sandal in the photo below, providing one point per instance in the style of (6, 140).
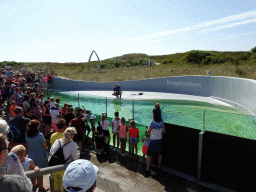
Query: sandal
(35, 187)
(44, 189)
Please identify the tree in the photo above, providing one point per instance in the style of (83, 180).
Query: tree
(253, 50)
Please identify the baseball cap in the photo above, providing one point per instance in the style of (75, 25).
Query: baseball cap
(80, 173)
(13, 85)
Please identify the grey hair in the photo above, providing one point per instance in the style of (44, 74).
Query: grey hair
(4, 127)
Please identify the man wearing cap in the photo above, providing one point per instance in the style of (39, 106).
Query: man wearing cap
(80, 175)
(117, 91)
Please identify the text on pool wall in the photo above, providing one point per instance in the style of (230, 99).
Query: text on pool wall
(183, 83)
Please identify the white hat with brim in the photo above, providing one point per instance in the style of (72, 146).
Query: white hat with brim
(81, 174)
(92, 117)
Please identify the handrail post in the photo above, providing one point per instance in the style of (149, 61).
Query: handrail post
(204, 121)
(199, 163)
(78, 100)
(133, 109)
(106, 106)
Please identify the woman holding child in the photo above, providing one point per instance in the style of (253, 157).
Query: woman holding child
(37, 149)
(156, 128)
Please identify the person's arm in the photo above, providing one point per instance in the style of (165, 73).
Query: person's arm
(74, 155)
(112, 125)
(45, 146)
(118, 127)
(70, 123)
(33, 167)
(149, 130)
(44, 110)
(163, 130)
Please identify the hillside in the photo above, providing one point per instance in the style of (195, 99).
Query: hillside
(133, 66)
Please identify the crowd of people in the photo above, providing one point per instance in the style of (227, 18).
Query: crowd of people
(34, 121)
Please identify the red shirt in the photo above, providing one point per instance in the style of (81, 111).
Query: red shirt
(133, 132)
(49, 78)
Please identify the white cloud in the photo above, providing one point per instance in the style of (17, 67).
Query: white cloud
(238, 17)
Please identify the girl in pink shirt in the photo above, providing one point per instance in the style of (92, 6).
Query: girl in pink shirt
(123, 129)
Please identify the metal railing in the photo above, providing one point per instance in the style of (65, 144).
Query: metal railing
(47, 170)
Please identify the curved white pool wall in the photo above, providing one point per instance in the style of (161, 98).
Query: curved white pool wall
(238, 92)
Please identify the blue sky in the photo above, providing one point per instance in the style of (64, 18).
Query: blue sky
(68, 31)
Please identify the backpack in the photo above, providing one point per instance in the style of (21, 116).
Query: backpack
(14, 134)
(58, 156)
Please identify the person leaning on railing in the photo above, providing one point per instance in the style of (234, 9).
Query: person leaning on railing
(9, 163)
(69, 151)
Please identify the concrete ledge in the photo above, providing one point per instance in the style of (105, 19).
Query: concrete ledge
(241, 92)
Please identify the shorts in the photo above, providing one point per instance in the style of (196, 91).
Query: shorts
(116, 133)
(133, 140)
(155, 147)
(54, 126)
(106, 133)
(57, 177)
(144, 149)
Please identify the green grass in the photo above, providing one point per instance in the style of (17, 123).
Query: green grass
(133, 66)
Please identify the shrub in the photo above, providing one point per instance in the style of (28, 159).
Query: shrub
(253, 58)
(196, 56)
(117, 64)
(207, 60)
(245, 56)
(165, 61)
(229, 59)
(103, 66)
(236, 62)
(253, 50)
(142, 61)
(239, 71)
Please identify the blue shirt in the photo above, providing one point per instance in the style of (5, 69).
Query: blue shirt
(117, 88)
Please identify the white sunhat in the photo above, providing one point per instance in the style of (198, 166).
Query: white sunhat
(13, 85)
(80, 173)
(92, 116)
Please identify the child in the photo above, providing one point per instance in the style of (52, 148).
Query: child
(13, 106)
(134, 135)
(99, 143)
(64, 109)
(157, 113)
(146, 143)
(54, 114)
(32, 100)
(123, 129)
(27, 163)
(105, 126)
(115, 123)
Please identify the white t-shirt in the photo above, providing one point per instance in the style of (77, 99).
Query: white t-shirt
(116, 123)
(105, 126)
(69, 149)
(156, 134)
(54, 112)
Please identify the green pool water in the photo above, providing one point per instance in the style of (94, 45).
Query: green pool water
(197, 115)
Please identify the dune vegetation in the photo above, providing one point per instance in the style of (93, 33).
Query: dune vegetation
(134, 66)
